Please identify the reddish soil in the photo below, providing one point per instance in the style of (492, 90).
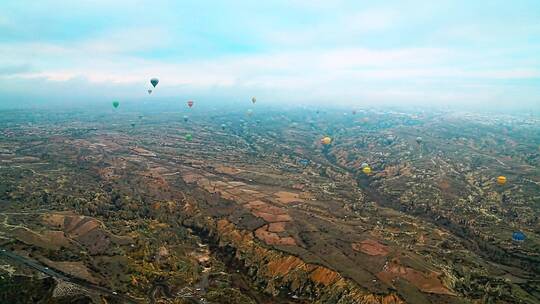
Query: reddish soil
(371, 247)
(270, 217)
(143, 152)
(268, 212)
(191, 177)
(271, 238)
(227, 170)
(324, 276)
(276, 227)
(429, 283)
(287, 197)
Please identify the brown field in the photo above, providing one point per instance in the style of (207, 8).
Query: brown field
(371, 247)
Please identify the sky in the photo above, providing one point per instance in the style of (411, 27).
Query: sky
(436, 53)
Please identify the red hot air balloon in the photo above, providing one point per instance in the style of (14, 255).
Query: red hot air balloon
(190, 103)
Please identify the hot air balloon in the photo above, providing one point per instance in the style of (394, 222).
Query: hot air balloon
(249, 112)
(189, 137)
(354, 112)
(133, 125)
(186, 118)
(190, 103)
(154, 81)
(115, 104)
(304, 162)
(223, 126)
(501, 180)
(366, 170)
(141, 117)
(149, 91)
(518, 236)
(419, 140)
(253, 99)
(364, 165)
(326, 140)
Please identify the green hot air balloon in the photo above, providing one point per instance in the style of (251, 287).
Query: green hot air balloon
(115, 104)
(154, 81)
(189, 137)
(223, 126)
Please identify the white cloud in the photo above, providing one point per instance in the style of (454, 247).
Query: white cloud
(406, 74)
(354, 70)
(126, 40)
(372, 20)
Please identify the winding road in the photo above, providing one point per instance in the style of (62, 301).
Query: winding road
(55, 274)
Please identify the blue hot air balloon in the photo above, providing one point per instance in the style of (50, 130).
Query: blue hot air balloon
(304, 162)
(518, 236)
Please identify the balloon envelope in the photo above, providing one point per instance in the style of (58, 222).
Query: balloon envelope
(186, 118)
(501, 180)
(326, 140)
(419, 139)
(518, 236)
(366, 170)
(190, 103)
(154, 82)
(253, 99)
(189, 137)
(115, 104)
(149, 91)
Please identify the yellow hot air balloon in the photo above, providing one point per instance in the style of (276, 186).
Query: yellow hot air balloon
(366, 170)
(501, 180)
(326, 141)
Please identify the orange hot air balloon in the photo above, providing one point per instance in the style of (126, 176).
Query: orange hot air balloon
(326, 140)
(190, 103)
(501, 180)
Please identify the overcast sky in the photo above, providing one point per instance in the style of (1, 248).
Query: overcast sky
(345, 52)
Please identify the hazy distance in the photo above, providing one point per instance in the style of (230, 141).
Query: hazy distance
(481, 55)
